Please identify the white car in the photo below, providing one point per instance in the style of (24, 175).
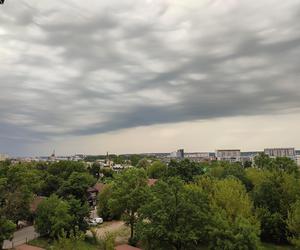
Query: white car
(92, 223)
(95, 221)
(98, 220)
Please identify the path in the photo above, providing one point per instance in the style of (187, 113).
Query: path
(28, 247)
(20, 237)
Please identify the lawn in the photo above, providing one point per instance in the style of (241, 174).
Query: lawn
(266, 246)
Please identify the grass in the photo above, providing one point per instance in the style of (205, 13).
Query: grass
(40, 242)
(266, 246)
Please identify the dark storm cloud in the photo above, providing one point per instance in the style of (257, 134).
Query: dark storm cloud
(84, 68)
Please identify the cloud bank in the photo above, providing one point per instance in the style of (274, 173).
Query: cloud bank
(74, 68)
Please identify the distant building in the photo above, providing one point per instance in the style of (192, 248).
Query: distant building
(199, 156)
(298, 160)
(180, 153)
(281, 152)
(231, 155)
(249, 156)
(3, 157)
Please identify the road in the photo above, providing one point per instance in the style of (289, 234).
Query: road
(20, 237)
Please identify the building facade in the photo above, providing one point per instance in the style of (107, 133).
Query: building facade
(281, 152)
(231, 155)
(179, 154)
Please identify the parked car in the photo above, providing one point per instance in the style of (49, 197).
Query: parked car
(98, 220)
(95, 221)
(92, 223)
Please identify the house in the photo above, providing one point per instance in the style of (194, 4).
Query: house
(93, 193)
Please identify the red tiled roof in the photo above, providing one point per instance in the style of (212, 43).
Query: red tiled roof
(151, 182)
(126, 247)
(35, 203)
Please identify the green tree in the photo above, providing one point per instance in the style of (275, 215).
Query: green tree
(273, 226)
(134, 159)
(6, 229)
(17, 205)
(273, 196)
(143, 163)
(185, 169)
(94, 170)
(103, 208)
(71, 242)
(63, 169)
(175, 216)
(293, 223)
(129, 193)
(263, 161)
(51, 184)
(53, 216)
(286, 164)
(107, 172)
(226, 169)
(79, 211)
(233, 225)
(157, 170)
(231, 195)
(238, 235)
(23, 175)
(77, 185)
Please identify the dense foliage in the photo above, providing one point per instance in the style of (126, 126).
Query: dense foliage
(218, 205)
(65, 183)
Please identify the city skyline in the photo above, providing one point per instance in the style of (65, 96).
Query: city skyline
(148, 76)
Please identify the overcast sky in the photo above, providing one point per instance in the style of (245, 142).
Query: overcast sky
(148, 75)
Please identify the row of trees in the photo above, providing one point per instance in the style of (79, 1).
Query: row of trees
(219, 205)
(222, 206)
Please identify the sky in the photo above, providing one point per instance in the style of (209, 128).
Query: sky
(133, 76)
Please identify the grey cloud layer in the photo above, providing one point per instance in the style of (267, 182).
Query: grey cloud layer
(86, 67)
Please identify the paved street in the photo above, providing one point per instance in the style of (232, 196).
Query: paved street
(20, 237)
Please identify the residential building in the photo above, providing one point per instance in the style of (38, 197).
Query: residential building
(281, 152)
(199, 156)
(179, 154)
(231, 155)
(298, 159)
(3, 157)
(93, 193)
